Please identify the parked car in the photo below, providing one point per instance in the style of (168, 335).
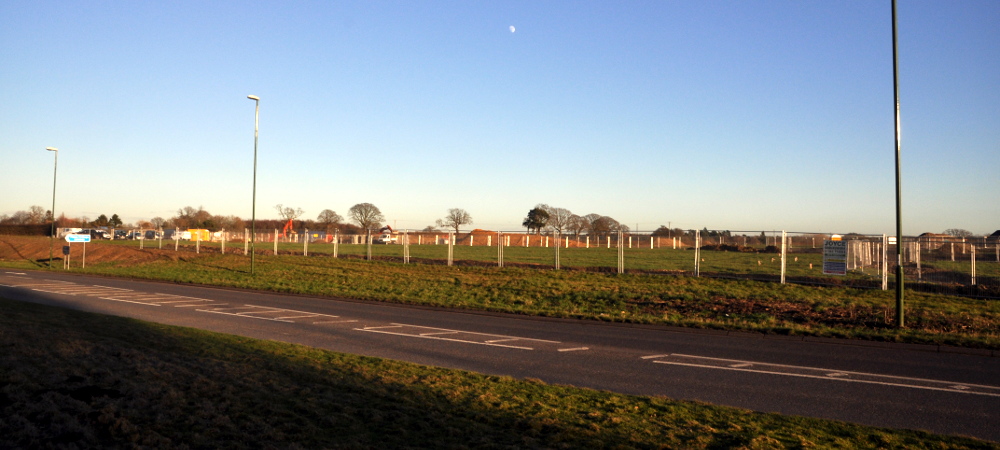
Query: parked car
(95, 234)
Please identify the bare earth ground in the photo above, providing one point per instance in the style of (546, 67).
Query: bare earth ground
(33, 248)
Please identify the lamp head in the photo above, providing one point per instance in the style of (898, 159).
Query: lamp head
(52, 149)
(253, 97)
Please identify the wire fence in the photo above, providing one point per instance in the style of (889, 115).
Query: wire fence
(930, 263)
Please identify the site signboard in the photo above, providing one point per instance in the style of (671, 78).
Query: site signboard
(77, 238)
(835, 257)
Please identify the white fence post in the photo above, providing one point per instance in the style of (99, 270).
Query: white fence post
(406, 246)
(697, 253)
(451, 248)
(555, 244)
(784, 254)
(621, 253)
(500, 248)
(973, 264)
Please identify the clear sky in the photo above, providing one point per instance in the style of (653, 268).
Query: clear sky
(739, 115)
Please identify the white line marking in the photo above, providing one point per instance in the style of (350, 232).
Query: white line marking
(740, 365)
(177, 301)
(244, 315)
(15, 273)
(440, 338)
(298, 317)
(197, 304)
(898, 381)
(334, 321)
(573, 349)
(653, 356)
(439, 333)
(128, 301)
(503, 337)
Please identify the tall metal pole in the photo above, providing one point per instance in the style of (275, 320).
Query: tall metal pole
(55, 167)
(253, 209)
(899, 216)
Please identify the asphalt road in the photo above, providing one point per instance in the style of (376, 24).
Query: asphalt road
(899, 386)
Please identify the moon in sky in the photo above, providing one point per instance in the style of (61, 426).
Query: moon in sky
(512, 28)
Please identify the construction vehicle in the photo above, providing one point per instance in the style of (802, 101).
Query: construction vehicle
(386, 236)
(288, 227)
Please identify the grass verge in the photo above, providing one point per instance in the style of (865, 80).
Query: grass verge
(652, 299)
(70, 379)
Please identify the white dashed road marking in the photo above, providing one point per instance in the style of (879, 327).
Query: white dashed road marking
(288, 315)
(736, 365)
(468, 337)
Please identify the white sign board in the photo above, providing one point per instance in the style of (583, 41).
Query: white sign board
(834, 257)
(77, 238)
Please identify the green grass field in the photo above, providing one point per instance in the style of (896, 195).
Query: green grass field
(633, 297)
(804, 264)
(70, 379)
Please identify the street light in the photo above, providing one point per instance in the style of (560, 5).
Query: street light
(253, 209)
(52, 238)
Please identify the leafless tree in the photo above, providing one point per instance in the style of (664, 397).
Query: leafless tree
(367, 216)
(158, 222)
(558, 218)
(228, 222)
(577, 225)
(36, 214)
(958, 232)
(329, 218)
(604, 225)
(288, 213)
(456, 217)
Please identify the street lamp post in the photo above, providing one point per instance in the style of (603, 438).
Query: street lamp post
(253, 209)
(55, 166)
(899, 202)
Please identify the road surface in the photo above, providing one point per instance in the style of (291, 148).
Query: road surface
(889, 385)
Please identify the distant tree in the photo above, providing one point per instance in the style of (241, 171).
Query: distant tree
(430, 229)
(114, 221)
(604, 225)
(536, 220)
(958, 232)
(367, 216)
(188, 217)
(328, 218)
(456, 217)
(36, 214)
(100, 221)
(228, 222)
(288, 213)
(662, 231)
(157, 222)
(558, 218)
(577, 225)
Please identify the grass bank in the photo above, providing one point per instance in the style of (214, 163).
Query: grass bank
(638, 298)
(77, 380)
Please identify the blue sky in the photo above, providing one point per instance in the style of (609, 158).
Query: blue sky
(739, 115)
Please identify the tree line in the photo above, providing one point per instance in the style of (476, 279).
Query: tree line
(360, 218)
